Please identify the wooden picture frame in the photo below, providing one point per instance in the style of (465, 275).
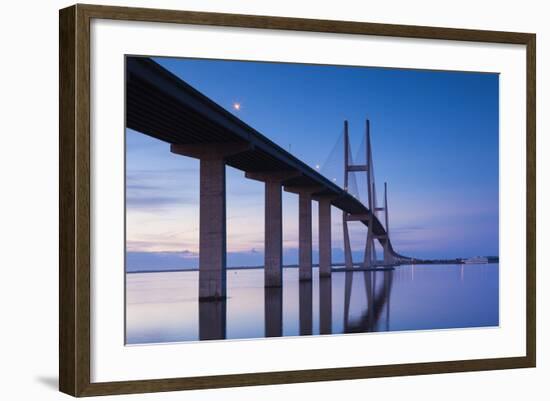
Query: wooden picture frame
(74, 203)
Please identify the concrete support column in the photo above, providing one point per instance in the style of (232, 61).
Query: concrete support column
(304, 236)
(273, 237)
(273, 275)
(348, 258)
(212, 226)
(370, 255)
(388, 257)
(325, 238)
(212, 237)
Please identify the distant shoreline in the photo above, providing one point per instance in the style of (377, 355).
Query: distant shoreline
(196, 269)
(416, 262)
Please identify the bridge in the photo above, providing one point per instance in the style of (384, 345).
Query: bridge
(163, 106)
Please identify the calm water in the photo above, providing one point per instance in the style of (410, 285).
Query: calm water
(163, 307)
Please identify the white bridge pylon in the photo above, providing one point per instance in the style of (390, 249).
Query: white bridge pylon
(370, 259)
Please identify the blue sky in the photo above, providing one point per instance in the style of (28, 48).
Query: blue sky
(434, 137)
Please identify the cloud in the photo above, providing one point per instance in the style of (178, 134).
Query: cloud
(153, 189)
(138, 201)
(139, 187)
(170, 172)
(406, 229)
(159, 246)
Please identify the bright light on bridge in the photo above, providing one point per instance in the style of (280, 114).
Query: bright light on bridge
(236, 106)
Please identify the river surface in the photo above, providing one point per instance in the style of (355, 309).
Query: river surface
(163, 307)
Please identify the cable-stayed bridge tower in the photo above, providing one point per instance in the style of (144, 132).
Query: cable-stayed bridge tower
(370, 259)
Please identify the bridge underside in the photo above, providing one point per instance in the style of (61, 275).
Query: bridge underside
(161, 105)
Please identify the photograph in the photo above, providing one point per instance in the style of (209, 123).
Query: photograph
(274, 199)
(258, 199)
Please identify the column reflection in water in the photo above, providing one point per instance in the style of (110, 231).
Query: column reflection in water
(370, 289)
(212, 320)
(347, 297)
(388, 282)
(273, 311)
(377, 298)
(325, 305)
(306, 308)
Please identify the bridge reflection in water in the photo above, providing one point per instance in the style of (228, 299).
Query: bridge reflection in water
(164, 307)
(369, 306)
(378, 300)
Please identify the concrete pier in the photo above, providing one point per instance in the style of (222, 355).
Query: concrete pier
(212, 225)
(304, 235)
(348, 258)
(305, 256)
(370, 254)
(273, 276)
(273, 226)
(325, 238)
(212, 236)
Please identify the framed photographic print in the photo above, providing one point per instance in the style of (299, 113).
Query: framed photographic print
(250, 200)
